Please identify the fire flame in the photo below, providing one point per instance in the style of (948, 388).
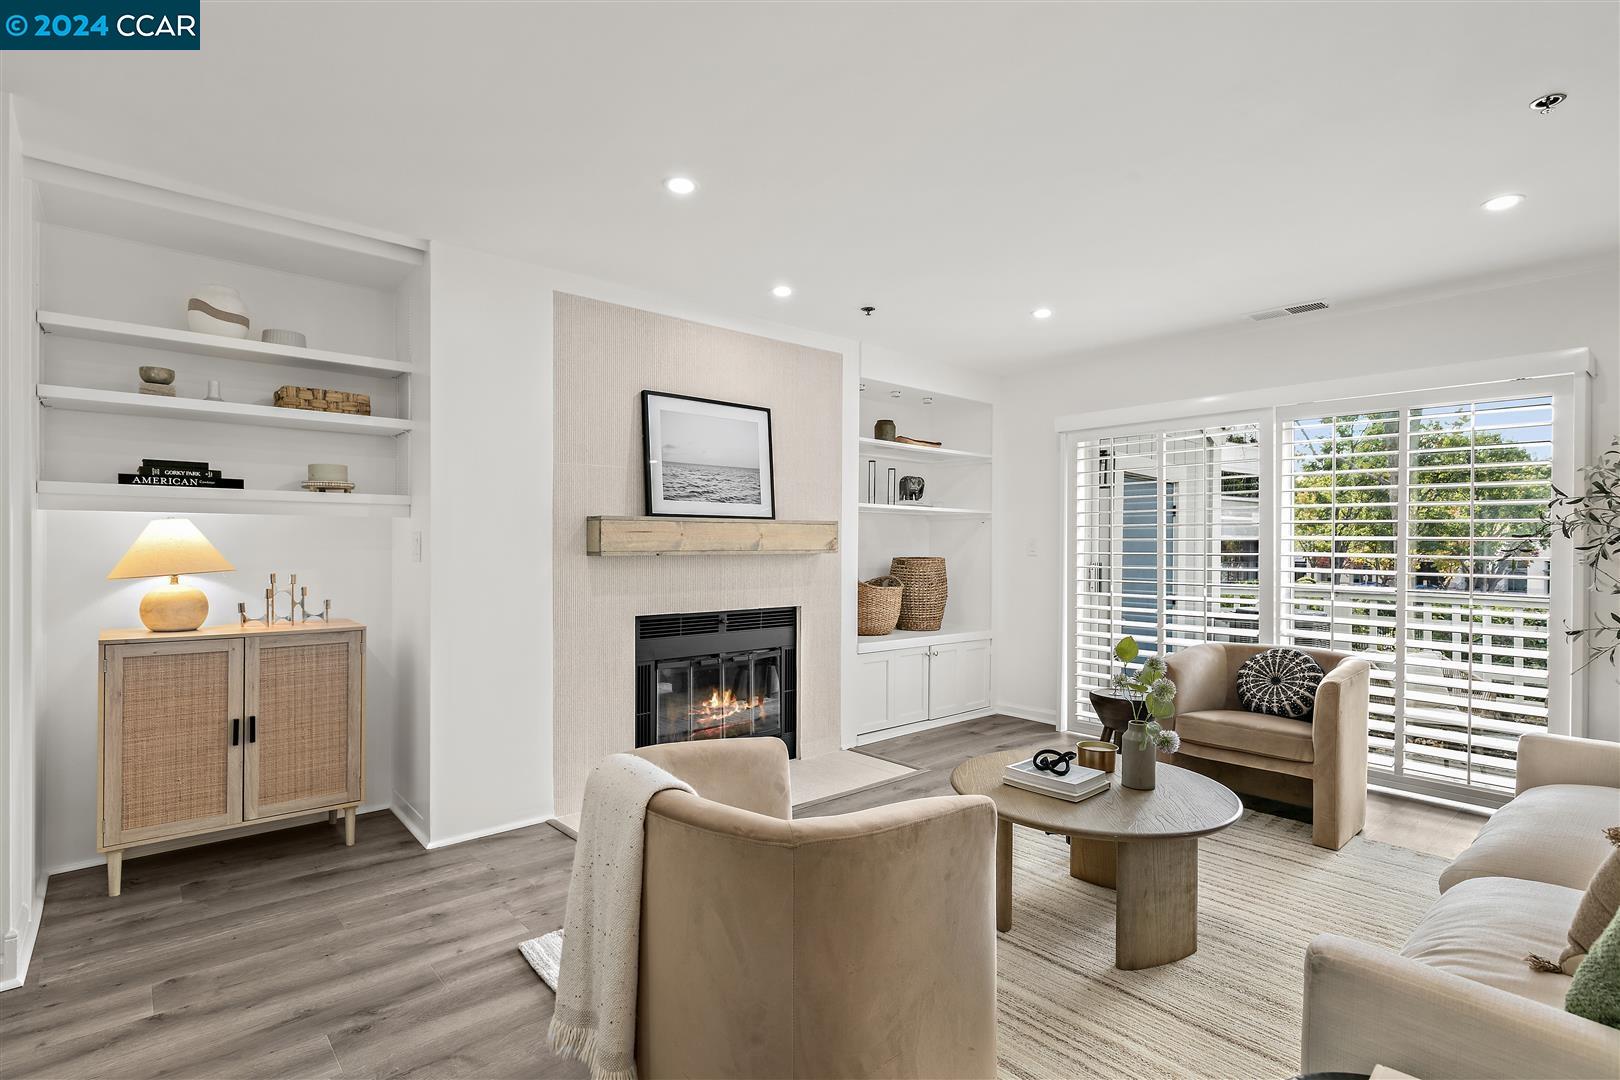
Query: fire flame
(722, 711)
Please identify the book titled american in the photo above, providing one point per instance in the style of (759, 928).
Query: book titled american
(179, 481)
(1078, 784)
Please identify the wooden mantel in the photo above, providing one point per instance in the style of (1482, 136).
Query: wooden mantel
(707, 536)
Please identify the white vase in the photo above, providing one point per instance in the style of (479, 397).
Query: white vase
(217, 309)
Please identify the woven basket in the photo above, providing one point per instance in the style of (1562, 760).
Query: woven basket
(878, 606)
(922, 605)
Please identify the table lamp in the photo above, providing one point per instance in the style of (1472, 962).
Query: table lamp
(169, 547)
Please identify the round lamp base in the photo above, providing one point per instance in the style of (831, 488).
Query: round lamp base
(173, 607)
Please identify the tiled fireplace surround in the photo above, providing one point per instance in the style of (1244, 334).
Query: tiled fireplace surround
(604, 356)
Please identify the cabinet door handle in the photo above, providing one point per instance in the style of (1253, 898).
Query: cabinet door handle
(253, 729)
(236, 731)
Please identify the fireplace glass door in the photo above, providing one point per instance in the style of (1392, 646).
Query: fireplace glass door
(719, 697)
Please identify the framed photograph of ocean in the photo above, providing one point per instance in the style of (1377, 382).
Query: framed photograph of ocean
(706, 458)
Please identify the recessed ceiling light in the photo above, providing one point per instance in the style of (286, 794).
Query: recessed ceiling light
(1042, 313)
(1502, 202)
(680, 185)
(782, 292)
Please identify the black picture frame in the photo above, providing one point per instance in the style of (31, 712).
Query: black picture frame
(727, 459)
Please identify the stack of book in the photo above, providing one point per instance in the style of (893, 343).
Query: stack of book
(157, 472)
(1073, 786)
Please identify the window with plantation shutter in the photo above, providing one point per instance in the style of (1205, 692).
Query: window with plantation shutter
(1415, 533)
(1166, 543)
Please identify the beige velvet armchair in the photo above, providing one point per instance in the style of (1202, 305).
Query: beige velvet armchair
(860, 945)
(1321, 763)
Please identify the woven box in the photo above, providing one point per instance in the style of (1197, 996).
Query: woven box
(315, 399)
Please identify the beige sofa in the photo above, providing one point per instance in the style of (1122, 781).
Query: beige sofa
(1321, 763)
(1458, 1001)
(860, 945)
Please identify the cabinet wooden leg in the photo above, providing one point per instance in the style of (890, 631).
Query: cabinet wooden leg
(348, 826)
(1003, 875)
(331, 817)
(115, 873)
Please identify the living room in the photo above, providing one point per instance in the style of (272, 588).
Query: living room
(1123, 492)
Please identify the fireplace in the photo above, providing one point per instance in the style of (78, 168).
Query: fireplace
(716, 675)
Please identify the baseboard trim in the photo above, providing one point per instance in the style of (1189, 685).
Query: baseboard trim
(1028, 712)
(921, 725)
(160, 847)
(19, 942)
(407, 816)
(479, 834)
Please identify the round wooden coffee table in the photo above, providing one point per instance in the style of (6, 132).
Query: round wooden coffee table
(1141, 844)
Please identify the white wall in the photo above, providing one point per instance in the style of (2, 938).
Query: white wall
(344, 559)
(1562, 307)
(490, 530)
(489, 541)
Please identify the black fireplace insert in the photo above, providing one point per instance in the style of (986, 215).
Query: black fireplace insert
(716, 675)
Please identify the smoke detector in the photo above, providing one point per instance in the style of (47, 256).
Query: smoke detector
(1292, 309)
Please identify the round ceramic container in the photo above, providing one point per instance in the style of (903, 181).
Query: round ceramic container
(217, 309)
(159, 376)
(282, 337)
(329, 474)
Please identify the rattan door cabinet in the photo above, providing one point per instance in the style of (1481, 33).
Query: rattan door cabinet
(213, 729)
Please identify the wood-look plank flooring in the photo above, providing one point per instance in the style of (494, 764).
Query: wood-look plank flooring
(287, 954)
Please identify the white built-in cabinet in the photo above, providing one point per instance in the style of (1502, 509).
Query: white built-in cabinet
(911, 678)
(901, 688)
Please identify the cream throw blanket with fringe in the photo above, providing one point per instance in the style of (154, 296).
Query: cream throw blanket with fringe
(595, 1019)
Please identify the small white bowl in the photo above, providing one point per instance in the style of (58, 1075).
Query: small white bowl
(282, 337)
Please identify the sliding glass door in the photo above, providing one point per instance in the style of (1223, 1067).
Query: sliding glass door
(1416, 534)
(1166, 543)
(1410, 529)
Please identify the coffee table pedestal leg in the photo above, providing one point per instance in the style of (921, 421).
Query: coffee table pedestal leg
(1093, 861)
(1155, 903)
(1003, 875)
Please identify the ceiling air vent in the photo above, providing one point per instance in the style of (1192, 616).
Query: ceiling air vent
(1291, 309)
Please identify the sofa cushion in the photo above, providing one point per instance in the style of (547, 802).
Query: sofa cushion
(1552, 833)
(1484, 928)
(1251, 733)
(1279, 682)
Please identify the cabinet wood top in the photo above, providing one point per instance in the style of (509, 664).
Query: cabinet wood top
(315, 626)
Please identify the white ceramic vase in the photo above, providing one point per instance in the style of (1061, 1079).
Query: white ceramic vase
(217, 309)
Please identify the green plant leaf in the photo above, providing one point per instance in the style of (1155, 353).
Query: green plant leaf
(1160, 709)
(1125, 649)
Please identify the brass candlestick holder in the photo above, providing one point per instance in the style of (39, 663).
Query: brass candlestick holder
(297, 605)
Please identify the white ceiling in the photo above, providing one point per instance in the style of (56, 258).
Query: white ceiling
(1139, 168)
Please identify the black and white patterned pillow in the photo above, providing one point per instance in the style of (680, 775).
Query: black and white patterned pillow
(1279, 682)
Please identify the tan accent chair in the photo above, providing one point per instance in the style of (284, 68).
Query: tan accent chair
(859, 945)
(1321, 763)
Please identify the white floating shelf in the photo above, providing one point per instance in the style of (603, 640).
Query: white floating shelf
(70, 495)
(84, 399)
(186, 341)
(912, 508)
(883, 448)
(917, 639)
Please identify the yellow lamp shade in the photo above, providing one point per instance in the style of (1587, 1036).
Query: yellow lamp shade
(167, 547)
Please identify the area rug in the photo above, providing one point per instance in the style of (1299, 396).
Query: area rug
(1232, 1009)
